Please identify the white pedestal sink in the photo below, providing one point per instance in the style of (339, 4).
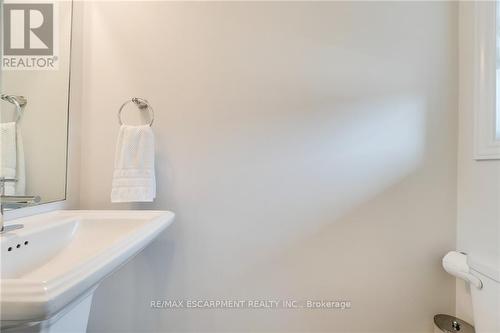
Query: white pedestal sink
(51, 267)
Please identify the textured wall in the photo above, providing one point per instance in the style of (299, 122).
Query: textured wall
(308, 149)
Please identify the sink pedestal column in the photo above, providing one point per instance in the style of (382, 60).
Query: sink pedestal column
(74, 319)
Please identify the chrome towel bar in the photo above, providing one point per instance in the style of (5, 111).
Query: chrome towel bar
(18, 101)
(142, 104)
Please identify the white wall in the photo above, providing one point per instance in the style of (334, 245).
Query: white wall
(478, 181)
(308, 149)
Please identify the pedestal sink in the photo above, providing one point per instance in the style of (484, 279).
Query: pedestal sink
(51, 267)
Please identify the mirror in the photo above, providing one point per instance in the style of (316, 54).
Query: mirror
(497, 70)
(34, 87)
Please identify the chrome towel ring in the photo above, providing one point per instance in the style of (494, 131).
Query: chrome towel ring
(142, 104)
(18, 101)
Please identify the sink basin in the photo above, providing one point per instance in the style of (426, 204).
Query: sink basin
(58, 259)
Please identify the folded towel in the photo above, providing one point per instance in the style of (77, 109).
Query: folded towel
(134, 175)
(12, 158)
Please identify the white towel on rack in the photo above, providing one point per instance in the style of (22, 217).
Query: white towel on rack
(12, 158)
(134, 174)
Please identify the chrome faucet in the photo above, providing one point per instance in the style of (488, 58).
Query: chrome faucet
(13, 201)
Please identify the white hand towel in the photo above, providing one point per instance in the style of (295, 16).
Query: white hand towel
(134, 175)
(12, 158)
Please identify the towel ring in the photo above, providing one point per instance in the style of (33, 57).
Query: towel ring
(18, 101)
(142, 104)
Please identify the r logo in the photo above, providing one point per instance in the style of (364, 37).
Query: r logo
(28, 29)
